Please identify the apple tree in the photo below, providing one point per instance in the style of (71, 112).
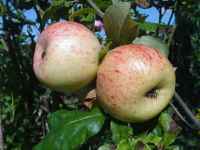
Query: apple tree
(33, 116)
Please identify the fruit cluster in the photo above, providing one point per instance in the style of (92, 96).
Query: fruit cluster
(133, 82)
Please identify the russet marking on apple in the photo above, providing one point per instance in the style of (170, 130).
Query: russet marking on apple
(66, 56)
(143, 83)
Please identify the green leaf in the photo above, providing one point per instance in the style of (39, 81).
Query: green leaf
(3, 9)
(115, 1)
(157, 131)
(138, 144)
(3, 45)
(154, 43)
(175, 147)
(168, 139)
(104, 51)
(82, 12)
(120, 131)
(146, 26)
(103, 4)
(105, 147)
(119, 26)
(125, 145)
(165, 121)
(150, 27)
(151, 138)
(58, 9)
(70, 129)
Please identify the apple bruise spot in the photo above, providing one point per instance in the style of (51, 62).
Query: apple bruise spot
(117, 71)
(112, 96)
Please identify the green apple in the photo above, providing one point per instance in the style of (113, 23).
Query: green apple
(66, 56)
(153, 42)
(135, 83)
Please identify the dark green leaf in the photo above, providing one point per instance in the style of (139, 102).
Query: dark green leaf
(120, 28)
(82, 12)
(70, 129)
(58, 9)
(103, 4)
(173, 148)
(154, 43)
(120, 131)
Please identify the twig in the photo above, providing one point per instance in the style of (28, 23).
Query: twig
(39, 11)
(188, 112)
(180, 115)
(1, 137)
(170, 18)
(99, 12)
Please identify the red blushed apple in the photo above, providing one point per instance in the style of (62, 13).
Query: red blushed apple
(135, 83)
(66, 56)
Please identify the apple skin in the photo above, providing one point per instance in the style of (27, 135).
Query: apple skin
(66, 56)
(135, 83)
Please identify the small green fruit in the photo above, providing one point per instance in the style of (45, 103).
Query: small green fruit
(153, 42)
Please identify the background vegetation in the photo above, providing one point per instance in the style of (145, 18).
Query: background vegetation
(26, 107)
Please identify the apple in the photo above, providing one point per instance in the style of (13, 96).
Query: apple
(135, 83)
(66, 56)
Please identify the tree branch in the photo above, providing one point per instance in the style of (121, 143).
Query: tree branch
(170, 18)
(1, 137)
(38, 10)
(188, 112)
(180, 115)
(99, 12)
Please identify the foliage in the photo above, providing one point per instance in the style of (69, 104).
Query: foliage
(120, 28)
(34, 116)
(187, 52)
(70, 129)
